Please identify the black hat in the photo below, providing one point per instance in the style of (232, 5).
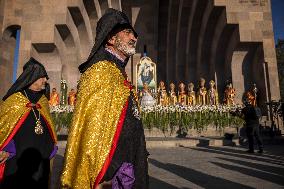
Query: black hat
(110, 21)
(32, 71)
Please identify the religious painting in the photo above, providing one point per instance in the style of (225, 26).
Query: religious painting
(146, 74)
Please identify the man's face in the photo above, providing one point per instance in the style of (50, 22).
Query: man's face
(39, 84)
(54, 90)
(125, 42)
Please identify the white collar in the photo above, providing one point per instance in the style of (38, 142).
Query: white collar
(114, 54)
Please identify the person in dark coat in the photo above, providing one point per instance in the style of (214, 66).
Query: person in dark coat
(251, 116)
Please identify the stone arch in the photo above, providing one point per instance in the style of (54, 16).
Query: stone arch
(216, 37)
(183, 25)
(79, 22)
(94, 13)
(258, 73)
(172, 30)
(65, 35)
(81, 15)
(163, 40)
(227, 74)
(116, 4)
(196, 26)
(188, 77)
(75, 35)
(104, 4)
(253, 70)
(211, 43)
(219, 65)
(247, 65)
(64, 40)
(233, 43)
(247, 68)
(207, 17)
(7, 55)
(211, 36)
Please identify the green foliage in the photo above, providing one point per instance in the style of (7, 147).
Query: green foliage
(167, 119)
(62, 119)
(199, 120)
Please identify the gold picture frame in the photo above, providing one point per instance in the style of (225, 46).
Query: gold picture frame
(146, 73)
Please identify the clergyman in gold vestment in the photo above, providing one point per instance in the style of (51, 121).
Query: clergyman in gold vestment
(27, 134)
(106, 144)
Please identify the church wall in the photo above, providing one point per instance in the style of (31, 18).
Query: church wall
(258, 67)
(212, 35)
(212, 40)
(39, 35)
(255, 25)
(187, 39)
(203, 38)
(237, 73)
(144, 18)
(2, 5)
(163, 39)
(184, 21)
(8, 44)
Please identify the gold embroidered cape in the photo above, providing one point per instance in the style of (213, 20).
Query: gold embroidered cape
(100, 100)
(13, 110)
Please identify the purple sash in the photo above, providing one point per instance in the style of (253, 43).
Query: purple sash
(124, 178)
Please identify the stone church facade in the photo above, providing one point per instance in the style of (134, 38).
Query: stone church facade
(188, 39)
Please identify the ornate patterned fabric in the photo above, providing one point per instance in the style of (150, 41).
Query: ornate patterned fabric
(101, 98)
(13, 109)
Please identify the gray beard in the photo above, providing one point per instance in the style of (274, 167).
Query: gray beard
(122, 47)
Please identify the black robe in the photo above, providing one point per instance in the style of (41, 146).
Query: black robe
(30, 167)
(131, 147)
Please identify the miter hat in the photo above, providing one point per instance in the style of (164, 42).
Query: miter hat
(32, 71)
(112, 20)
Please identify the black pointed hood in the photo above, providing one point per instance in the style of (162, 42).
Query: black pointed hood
(111, 20)
(32, 71)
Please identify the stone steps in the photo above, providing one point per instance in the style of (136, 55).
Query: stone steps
(170, 142)
(158, 142)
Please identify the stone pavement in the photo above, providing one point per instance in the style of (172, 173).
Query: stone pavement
(207, 167)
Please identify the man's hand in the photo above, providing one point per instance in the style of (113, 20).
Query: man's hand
(3, 156)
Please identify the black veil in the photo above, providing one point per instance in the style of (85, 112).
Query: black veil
(32, 71)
